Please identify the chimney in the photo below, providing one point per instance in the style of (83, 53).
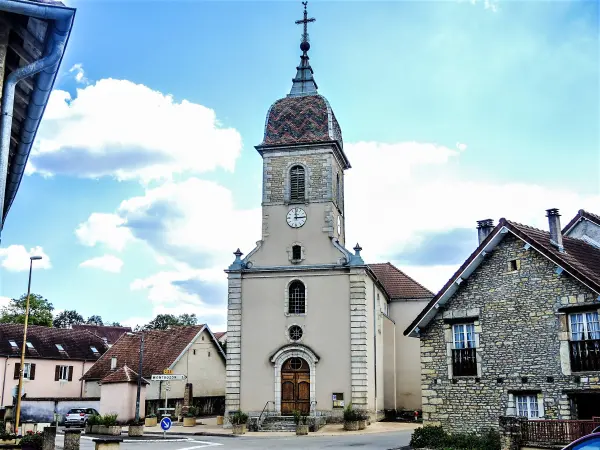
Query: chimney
(484, 228)
(555, 230)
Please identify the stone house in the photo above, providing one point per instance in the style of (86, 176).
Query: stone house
(515, 331)
(192, 351)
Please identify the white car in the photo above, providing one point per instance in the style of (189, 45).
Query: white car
(78, 416)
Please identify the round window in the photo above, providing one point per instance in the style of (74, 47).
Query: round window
(295, 332)
(295, 363)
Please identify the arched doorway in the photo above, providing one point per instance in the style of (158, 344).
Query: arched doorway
(295, 386)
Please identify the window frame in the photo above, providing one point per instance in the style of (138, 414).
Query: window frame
(528, 400)
(64, 369)
(465, 335)
(297, 310)
(27, 371)
(297, 183)
(587, 334)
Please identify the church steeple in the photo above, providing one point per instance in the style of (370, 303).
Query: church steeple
(304, 83)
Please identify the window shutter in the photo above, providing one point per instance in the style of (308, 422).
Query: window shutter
(70, 373)
(32, 372)
(56, 373)
(297, 191)
(17, 370)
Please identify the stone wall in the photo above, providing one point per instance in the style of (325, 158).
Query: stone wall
(520, 329)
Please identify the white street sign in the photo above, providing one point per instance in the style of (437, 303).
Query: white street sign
(162, 377)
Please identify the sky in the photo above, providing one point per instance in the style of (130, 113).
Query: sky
(143, 179)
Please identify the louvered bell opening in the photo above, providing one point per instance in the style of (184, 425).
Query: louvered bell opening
(297, 184)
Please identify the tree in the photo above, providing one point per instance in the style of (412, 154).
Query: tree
(116, 324)
(94, 320)
(67, 319)
(164, 321)
(40, 311)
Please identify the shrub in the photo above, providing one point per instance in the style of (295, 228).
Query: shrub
(94, 419)
(350, 414)
(192, 412)
(428, 436)
(35, 440)
(239, 418)
(151, 416)
(109, 420)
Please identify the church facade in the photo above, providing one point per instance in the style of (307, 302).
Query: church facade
(311, 326)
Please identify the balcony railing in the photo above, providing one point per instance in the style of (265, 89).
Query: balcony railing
(585, 355)
(464, 362)
(556, 431)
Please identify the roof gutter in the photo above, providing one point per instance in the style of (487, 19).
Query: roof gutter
(59, 31)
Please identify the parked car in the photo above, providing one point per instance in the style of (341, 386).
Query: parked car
(588, 442)
(79, 416)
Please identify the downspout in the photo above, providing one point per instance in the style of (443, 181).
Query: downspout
(59, 34)
(375, 344)
(4, 381)
(81, 380)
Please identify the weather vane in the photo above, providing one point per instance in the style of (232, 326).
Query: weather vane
(304, 46)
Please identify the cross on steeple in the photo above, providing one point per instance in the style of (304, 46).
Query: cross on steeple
(305, 46)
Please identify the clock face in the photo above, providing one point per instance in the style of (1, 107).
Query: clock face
(339, 225)
(296, 217)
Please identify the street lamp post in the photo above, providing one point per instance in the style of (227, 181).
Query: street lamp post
(139, 380)
(20, 388)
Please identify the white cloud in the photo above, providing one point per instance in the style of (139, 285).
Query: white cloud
(4, 301)
(125, 130)
(77, 69)
(104, 229)
(108, 263)
(15, 258)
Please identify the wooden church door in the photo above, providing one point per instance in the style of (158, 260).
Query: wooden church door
(295, 386)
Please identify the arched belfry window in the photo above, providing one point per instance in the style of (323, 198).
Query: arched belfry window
(297, 185)
(297, 298)
(337, 191)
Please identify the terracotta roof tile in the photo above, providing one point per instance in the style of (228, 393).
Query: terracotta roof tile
(219, 334)
(397, 284)
(161, 349)
(123, 375)
(582, 214)
(76, 344)
(112, 334)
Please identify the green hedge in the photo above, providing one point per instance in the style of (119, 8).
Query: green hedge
(435, 437)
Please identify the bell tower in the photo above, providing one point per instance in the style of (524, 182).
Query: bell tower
(303, 167)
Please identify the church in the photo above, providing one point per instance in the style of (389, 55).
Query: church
(311, 326)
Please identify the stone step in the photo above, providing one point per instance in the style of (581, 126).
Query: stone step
(278, 423)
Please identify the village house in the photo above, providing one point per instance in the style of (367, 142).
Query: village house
(55, 360)
(515, 331)
(311, 326)
(109, 334)
(192, 351)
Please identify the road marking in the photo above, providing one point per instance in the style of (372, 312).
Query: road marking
(205, 444)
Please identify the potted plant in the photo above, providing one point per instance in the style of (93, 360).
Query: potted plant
(110, 427)
(91, 425)
(239, 420)
(189, 419)
(351, 418)
(301, 421)
(135, 428)
(32, 441)
(8, 438)
(150, 420)
(363, 419)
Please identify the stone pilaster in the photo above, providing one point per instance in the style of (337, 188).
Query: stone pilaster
(234, 342)
(49, 438)
(72, 438)
(358, 337)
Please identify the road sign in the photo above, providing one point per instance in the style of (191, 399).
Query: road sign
(167, 377)
(168, 372)
(165, 423)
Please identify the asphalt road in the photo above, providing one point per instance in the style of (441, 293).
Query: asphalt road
(381, 441)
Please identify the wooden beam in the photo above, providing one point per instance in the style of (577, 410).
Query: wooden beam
(22, 53)
(19, 111)
(4, 32)
(29, 40)
(21, 96)
(26, 82)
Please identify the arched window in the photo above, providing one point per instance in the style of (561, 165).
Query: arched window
(297, 298)
(297, 190)
(337, 192)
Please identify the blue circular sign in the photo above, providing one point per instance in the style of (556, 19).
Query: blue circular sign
(165, 423)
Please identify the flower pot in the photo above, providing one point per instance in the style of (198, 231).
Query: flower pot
(95, 429)
(135, 430)
(351, 426)
(189, 421)
(220, 420)
(150, 421)
(239, 429)
(362, 424)
(301, 430)
(113, 430)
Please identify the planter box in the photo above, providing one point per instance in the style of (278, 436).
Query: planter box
(220, 420)
(96, 429)
(189, 421)
(301, 430)
(351, 426)
(88, 428)
(113, 430)
(150, 421)
(135, 430)
(362, 424)
(239, 429)
(102, 429)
